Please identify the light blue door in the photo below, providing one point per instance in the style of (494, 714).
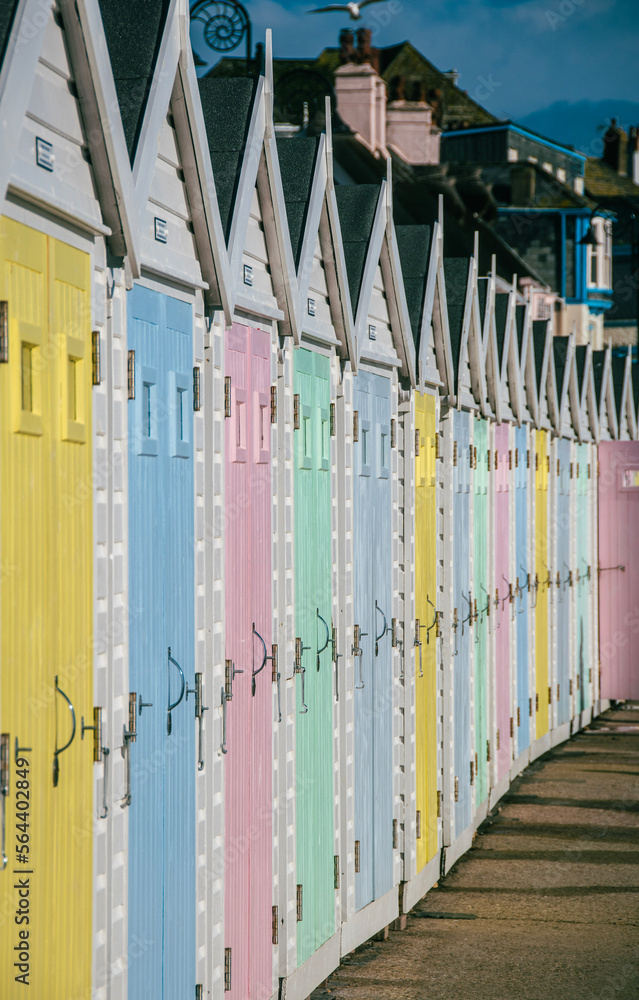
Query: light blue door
(161, 952)
(522, 574)
(463, 635)
(584, 580)
(372, 613)
(564, 596)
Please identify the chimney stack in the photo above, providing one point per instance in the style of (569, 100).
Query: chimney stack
(615, 151)
(361, 102)
(409, 123)
(633, 153)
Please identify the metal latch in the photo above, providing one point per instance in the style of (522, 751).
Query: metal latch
(227, 395)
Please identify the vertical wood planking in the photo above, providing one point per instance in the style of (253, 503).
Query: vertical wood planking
(503, 612)
(542, 570)
(523, 599)
(46, 554)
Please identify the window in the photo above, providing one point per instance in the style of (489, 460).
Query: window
(561, 175)
(513, 155)
(27, 378)
(579, 185)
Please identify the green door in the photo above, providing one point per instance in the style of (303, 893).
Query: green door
(314, 728)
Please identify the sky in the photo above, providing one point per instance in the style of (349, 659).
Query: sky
(557, 65)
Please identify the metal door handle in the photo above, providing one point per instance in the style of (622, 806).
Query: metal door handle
(200, 709)
(129, 736)
(418, 642)
(105, 808)
(143, 704)
(265, 658)
(384, 630)
(304, 708)
(59, 750)
(172, 705)
(607, 569)
(4, 792)
(335, 656)
(224, 701)
(328, 637)
(455, 629)
(435, 621)
(279, 698)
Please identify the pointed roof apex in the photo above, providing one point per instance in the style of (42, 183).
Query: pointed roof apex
(357, 205)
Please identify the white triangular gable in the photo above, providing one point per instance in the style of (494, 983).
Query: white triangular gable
(490, 352)
(435, 360)
(49, 150)
(574, 402)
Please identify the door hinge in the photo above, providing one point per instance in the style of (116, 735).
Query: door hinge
(300, 912)
(417, 436)
(4, 332)
(355, 425)
(537, 702)
(357, 856)
(528, 458)
(393, 435)
(227, 395)
(332, 419)
(97, 733)
(530, 708)
(96, 367)
(570, 685)
(510, 458)
(476, 763)
(488, 751)
(296, 411)
(472, 772)
(571, 470)
(488, 459)
(589, 675)
(418, 824)
(273, 404)
(436, 444)
(498, 740)
(588, 470)
(518, 716)
(197, 401)
(274, 926)
(395, 834)
(274, 662)
(199, 991)
(227, 970)
(577, 470)
(454, 453)
(456, 789)
(536, 461)
(512, 727)
(549, 694)
(516, 457)
(558, 689)
(558, 468)
(130, 371)
(547, 463)
(336, 871)
(439, 803)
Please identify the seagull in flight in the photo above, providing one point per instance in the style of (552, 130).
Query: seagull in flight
(354, 9)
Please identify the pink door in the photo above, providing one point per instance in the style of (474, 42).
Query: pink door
(248, 697)
(619, 568)
(503, 612)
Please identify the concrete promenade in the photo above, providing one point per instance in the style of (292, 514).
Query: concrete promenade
(546, 904)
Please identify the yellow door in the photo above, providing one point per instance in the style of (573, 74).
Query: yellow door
(541, 568)
(46, 596)
(425, 603)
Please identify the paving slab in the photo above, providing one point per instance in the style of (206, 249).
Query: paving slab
(545, 906)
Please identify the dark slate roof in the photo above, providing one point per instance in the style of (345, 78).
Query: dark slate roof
(7, 11)
(456, 275)
(482, 294)
(413, 245)
(560, 352)
(581, 352)
(133, 54)
(598, 359)
(226, 104)
(356, 205)
(297, 165)
(539, 328)
(602, 181)
(618, 372)
(501, 314)
(520, 315)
